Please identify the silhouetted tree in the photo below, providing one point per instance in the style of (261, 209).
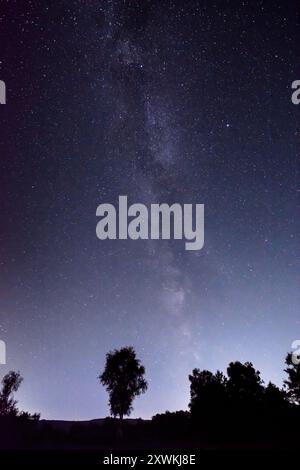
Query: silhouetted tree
(26, 416)
(274, 397)
(244, 382)
(123, 378)
(207, 390)
(10, 384)
(293, 382)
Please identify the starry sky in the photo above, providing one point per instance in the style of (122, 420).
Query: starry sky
(162, 101)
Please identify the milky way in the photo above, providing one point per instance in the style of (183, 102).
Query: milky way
(162, 101)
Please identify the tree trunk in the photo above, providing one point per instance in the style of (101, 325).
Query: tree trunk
(120, 429)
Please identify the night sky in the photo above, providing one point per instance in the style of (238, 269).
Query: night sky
(162, 101)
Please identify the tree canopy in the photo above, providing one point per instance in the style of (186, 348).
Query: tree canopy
(10, 384)
(124, 379)
(293, 381)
